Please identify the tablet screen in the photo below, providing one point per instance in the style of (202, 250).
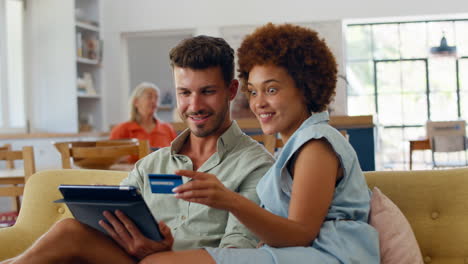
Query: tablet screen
(88, 202)
(100, 192)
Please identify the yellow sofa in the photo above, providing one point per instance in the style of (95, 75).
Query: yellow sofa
(435, 203)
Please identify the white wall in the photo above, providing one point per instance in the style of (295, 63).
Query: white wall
(152, 14)
(210, 15)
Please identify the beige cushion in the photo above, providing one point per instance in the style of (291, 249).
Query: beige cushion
(397, 242)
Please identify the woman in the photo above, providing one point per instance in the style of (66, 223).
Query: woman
(143, 123)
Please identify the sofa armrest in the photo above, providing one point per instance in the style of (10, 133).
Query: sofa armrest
(38, 211)
(14, 241)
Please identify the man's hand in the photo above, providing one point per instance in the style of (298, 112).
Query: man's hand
(129, 237)
(205, 189)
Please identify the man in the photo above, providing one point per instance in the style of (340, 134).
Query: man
(203, 69)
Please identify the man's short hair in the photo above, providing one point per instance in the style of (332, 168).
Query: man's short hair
(202, 52)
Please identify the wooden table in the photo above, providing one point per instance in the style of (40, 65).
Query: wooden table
(419, 144)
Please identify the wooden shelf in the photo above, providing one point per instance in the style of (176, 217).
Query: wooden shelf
(92, 96)
(86, 26)
(87, 61)
(165, 108)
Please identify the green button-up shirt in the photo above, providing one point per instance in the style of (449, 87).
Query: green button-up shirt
(239, 163)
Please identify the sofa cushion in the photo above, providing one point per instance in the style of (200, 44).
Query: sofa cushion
(397, 241)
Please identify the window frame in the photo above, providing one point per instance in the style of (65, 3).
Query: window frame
(374, 60)
(5, 120)
(3, 65)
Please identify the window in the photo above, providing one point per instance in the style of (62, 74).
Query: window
(12, 107)
(393, 76)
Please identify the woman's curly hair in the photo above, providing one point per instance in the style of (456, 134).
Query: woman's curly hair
(301, 52)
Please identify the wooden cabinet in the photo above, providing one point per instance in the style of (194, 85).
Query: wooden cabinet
(64, 66)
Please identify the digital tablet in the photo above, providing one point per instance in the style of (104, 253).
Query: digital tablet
(88, 202)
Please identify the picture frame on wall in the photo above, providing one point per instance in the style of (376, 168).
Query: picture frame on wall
(167, 101)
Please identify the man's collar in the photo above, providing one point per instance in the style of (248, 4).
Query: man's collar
(229, 138)
(224, 143)
(179, 141)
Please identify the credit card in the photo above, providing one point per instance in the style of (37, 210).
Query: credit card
(164, 183)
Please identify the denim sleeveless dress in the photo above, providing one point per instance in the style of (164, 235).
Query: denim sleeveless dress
(345, 236)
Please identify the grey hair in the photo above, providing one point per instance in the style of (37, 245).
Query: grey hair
(137, 93)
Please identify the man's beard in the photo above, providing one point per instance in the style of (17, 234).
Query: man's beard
(213, 126)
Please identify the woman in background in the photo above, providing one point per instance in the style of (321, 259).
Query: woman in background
(143, 123)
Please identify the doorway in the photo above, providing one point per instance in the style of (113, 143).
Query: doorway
(147, 60)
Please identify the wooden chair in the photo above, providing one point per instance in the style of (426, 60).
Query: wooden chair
(246, 124)
(448, 140)
(100, 154)
(9, 163)
(178, 126)
(271, 142)
(12, 181)
(5, 147)
(344, 133)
